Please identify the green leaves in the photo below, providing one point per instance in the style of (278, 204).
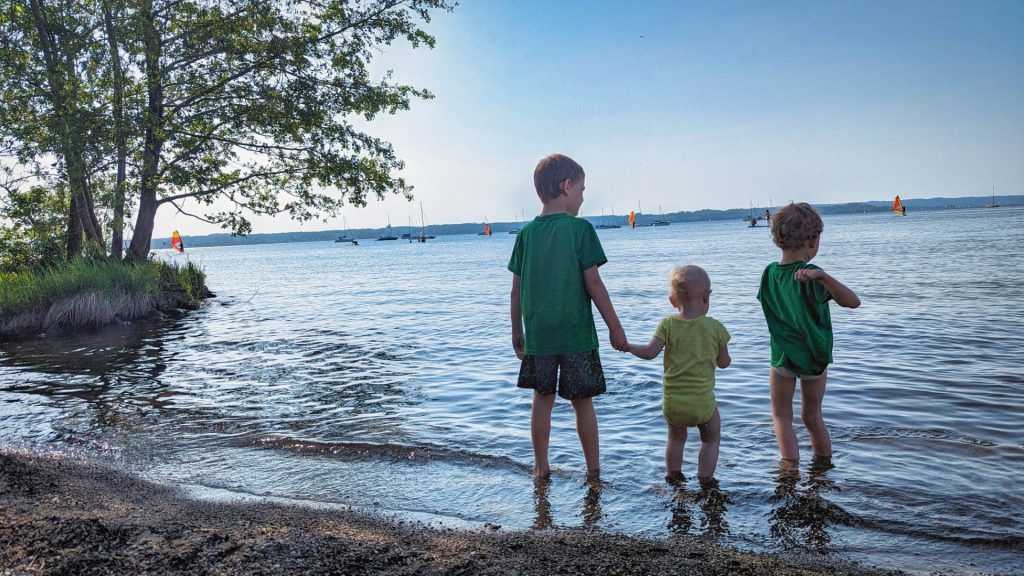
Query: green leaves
(243, 106)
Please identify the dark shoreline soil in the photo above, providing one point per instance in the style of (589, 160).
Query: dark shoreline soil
(59, 516)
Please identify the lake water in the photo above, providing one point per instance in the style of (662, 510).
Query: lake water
(381, 376)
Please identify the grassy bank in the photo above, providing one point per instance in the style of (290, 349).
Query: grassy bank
(93, 293)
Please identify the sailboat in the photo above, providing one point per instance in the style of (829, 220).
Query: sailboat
(518, 223)
(898, 207)
(423, 228)
(661, 222)
(632, 219)
(993, 204)
(487, 229)
(751, 218)
(604, 225)
(345, 237)
(388, 235)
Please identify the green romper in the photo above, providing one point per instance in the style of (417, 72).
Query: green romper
(691, 353)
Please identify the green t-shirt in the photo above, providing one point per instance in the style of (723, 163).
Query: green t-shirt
(798, 318)
(550, 255)
(691, 354)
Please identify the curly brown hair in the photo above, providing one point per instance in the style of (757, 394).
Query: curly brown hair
(795, 225)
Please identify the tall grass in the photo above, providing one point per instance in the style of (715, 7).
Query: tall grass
(25, 291)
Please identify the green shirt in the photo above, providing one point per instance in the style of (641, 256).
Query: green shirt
(691, 355)
(798, 318)
(550, 255)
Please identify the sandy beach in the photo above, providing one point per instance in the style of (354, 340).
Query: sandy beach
(59, 516)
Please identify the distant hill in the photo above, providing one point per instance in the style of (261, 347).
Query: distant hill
(370, 234)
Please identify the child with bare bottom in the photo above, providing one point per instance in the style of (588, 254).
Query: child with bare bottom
(694, 345)
(795, 296)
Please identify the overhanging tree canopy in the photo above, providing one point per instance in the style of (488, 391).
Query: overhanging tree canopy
(251, 101)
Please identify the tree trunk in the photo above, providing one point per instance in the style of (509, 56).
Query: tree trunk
(117, 232)
(69, 138)
(74, 228)
(153, 122)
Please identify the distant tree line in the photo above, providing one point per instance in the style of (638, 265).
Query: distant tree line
(111, 109)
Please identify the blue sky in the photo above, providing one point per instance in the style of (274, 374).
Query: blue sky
(702, 105)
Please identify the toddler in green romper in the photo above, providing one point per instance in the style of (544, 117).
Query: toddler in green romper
(694, 345)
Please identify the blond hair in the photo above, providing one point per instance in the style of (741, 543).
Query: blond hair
(551, 172)
(795, 225)
(688, 280)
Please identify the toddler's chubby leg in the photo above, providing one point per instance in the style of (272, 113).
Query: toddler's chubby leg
(586, 427)
(540, 432)
(812, 393)
(710, 438)
(782, 389)
(674, 451)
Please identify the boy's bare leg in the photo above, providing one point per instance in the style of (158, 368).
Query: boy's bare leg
(586, 427)
(812, 393)
(710, 438)
(540, 432)
(674, 450)
(782, 390)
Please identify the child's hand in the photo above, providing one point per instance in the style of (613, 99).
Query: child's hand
(618, 337)
(807, 274)
(519, 345)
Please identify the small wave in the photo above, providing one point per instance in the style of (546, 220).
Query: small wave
(357, 451)
(878, 432)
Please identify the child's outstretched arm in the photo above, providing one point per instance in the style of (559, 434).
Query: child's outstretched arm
(647, 351)
(840, 293)
(518, 341)
(599, 294)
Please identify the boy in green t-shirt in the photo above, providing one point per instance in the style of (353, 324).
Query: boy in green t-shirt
(694, 345)
(555, 278)
(794, 296)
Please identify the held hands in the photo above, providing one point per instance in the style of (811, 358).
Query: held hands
(618, 337)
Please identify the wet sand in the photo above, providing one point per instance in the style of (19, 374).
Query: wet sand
(59, 516)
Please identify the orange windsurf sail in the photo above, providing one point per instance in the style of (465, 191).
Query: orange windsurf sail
(487, 229)
(176, 242)
(897, 206)
(632, 219)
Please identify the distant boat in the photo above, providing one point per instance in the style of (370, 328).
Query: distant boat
(898, 207)
(423, 237)
(604, 225)
(487, 229)
(661, 222)
(389, 235)
(518, 224)
(345, 237)
(632, 219)
(993, 204)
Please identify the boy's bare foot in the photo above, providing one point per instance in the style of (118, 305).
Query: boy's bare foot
(675, 478)
(822, 463)
(541, 474)
(707, 482)
(789, 464)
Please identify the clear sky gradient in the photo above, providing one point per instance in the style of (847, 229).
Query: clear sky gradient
(685, 106)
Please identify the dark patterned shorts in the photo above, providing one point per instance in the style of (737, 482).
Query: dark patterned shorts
(577, 375)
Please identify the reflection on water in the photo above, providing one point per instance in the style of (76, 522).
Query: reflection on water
(708, 503)
(382, 376)
(802, 515)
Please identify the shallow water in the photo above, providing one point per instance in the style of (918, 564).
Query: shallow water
(382, 376)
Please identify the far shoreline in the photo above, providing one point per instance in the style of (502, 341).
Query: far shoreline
(62, 515)
(503, 228)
